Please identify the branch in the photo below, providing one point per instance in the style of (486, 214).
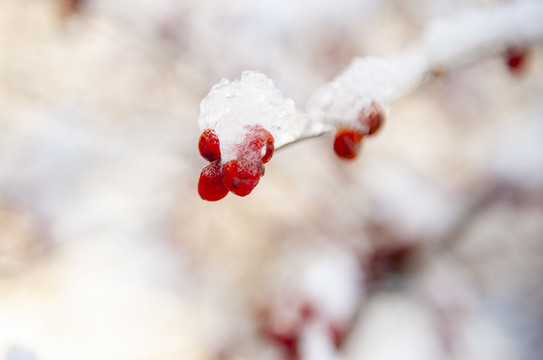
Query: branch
(367, 85)
(448, 43)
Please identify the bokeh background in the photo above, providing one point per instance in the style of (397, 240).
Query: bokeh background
(428, 246)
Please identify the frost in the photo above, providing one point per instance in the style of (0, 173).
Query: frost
(232, 106)
(366, 80)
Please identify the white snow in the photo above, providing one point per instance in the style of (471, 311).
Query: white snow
(232, 106)
(332, 282)
(366, 80)
(395, 327)
(316, 343)
(515, 152)
(477, 30)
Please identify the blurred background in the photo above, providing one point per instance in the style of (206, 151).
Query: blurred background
(429, 246)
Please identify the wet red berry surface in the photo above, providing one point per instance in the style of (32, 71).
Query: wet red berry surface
(209, 145)
(241, 176)
(258, 144)
(347, 142)
(211, 186)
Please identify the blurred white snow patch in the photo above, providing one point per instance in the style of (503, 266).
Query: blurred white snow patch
(459, 294)
(289, 16)
(19, 353)
(412, 203)
(481, 340)
(44, 161)
(325, 280)
(119, 301)
(395, 328)
(513, 21)
(332, 281)
(138, 17)
(316, 343)
(232, 106)
(517, 154)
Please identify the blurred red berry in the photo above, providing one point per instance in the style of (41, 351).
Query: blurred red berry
(387, 260)
(71, 7)
(286, 338)
(289, 343)
(259, 144)
(347, 142)
(211, 186)
(209, 145)
(515, 58)
(373, 119)
(307, 311)
(241, 176)
(338, 334)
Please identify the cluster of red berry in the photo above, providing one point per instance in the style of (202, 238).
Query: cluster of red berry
(348, 138)
(240, 175)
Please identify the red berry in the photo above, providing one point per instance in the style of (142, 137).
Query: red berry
(286, 336)
(347, 142)
(241, 176)
(71, 7)
(338, 334)
(371, 119)
(387, 260)
(209, 145)
(307, 311)
(288, 342)
(259, 144)
(515, 58)
(211, 186)
(269, 149)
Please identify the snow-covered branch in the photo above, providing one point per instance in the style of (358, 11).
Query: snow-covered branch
(368, 84)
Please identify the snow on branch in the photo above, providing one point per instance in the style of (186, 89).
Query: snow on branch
(368, 85)
(447, 43)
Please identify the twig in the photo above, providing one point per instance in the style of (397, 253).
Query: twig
(446, 44)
